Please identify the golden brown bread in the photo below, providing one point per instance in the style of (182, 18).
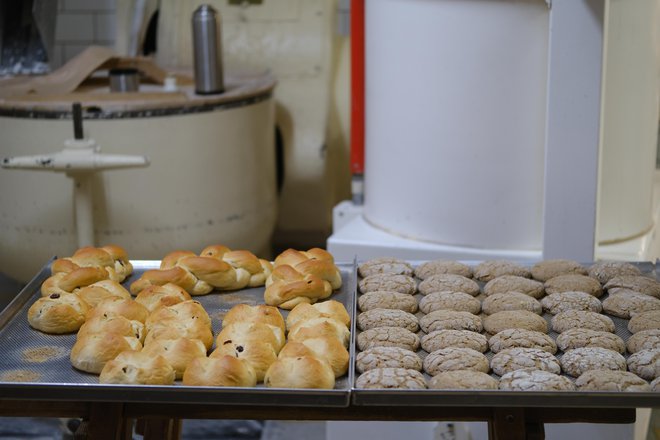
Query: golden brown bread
(111, 258)
(317, 327)
(182, 329)
(119, 306)
(259, 355)
(301, 277)
(327, 348)
(217, 267)
(326, 309)
(70, 282)
(138, 368)
(190, 312)
(300, 372)
(260, 313)
(58, 313)
(91, 352)
(286, 288)
(249, 332)
(178, 352)
(100, 290)
(112, 324)
(221, 371)
(168, 294)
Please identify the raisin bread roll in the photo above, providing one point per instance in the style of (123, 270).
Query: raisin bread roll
(58, 313)
(187, 311)
(259, 355)
(111, 258)
(316, 327)
(326, 348)
(221, 371)
(260, 313)
(250, 332)
(137, 368)
(112, 324)
(300, 372)
(97, 292)
(178, 352)
(92, 351)
(71, 282)
(115, 306)
(166, 295)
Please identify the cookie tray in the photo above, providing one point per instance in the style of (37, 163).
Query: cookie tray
(497, 398)
(36, 366)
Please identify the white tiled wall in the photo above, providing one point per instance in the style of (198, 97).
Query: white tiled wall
(81, 23)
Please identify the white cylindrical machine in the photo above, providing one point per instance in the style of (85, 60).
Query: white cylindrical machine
(211, 179)
(455, 115)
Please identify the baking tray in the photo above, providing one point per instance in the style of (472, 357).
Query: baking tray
(497, 398)
(36, 366)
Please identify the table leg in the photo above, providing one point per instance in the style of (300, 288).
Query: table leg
(106, 422)
(507, 424)
(161, 429)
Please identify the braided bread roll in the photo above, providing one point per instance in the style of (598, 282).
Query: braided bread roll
(168, 294)
(326, 309)
(112, 258)
(187, 319)
(217, 267)
(69, 282)
(260, 313)
(327, 348)
(116, 306)
(56, 313)
(178, 352)
(301, 277)
(220, 371)
(139, 368)
(100, 290)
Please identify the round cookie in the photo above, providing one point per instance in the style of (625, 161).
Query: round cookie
(391, 282)
(458, 301)
(644, 340)
(463, 380)
(487, 270)
(382, 299)
(499, 321)
(545, 270)
(577, 361)
(562, 301)
(387, 318)
(604, 271)
(388, 337)
(519, 358)
(391, 378)
(583, 337)
(454, 358)
(637, 283)
(655, 385)
(644, 321)
(628, 303)
(535, 380)
(450, 320)
(520, 337)
(387, 357)
(573, 283)
(449, 283)
(440, 339)
(611, 380)
(645, 363)
(581, 319)
(385, 265)
(513, 283)
(500, 302)
(437, 267)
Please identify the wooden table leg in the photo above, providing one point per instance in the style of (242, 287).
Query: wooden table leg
(161, 429)
(106, 422)
(507, 424)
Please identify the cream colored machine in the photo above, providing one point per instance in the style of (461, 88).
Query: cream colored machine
(211, 177)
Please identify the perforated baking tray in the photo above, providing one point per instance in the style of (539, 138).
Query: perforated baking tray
(497, 398)
(36, 366)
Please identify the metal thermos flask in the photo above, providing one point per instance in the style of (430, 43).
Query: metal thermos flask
(207, 51)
